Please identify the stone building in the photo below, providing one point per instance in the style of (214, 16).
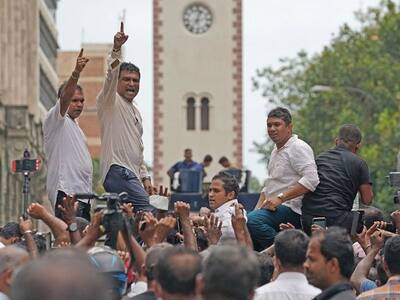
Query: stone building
(197, 48)
(28, 88)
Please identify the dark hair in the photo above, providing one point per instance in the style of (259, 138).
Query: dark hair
(129, 67)
(291, 247)
(391, 254)
(230, 182)
(62, 86)
(153, 255)
(335, 242)
(177, 270)
(266, 267)
(230, 272)
(372, 214)
(10, 230)
(350, 134)
(70, 273)
(281, 113)
(223, 159)
(40, 242)
(208, 157)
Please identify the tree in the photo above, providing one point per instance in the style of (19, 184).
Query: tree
(362, 69)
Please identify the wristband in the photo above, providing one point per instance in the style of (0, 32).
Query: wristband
(27, 231)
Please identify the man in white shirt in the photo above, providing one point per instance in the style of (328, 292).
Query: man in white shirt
(292, 172)
(222, 196)
(121, 129)
(291, 283)
(69, 165)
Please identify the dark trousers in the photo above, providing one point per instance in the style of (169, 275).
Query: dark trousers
(83, 209)
(263, 224)
(120, 179)
(344, 220)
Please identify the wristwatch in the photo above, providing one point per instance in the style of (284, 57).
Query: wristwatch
(72, 227)
(280, 196)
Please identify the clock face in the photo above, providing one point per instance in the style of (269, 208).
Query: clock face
(197, 18)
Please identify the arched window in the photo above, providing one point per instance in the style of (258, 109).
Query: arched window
(205, 114)
(190, 114)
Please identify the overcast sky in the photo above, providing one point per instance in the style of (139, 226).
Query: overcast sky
(272, 29)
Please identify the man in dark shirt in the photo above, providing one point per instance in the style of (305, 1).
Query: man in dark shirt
(342, 173)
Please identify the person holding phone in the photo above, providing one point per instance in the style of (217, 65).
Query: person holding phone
(342, 174)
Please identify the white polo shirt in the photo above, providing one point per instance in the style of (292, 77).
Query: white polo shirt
(69, 165)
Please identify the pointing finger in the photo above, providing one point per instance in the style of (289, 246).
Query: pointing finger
(81, 53)
(122, 27)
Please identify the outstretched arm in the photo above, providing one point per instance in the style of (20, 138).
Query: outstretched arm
(107, 93)
(70, 87)
(56, 225)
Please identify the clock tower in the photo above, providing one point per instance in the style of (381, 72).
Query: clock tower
(197, 82)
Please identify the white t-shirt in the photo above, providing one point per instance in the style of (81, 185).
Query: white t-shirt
(121, 126)
(69, 165)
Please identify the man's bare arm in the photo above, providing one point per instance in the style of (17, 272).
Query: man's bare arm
(70, 87)
(56, 225)
(366, 193)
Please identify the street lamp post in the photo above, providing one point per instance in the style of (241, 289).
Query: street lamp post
(319, 88)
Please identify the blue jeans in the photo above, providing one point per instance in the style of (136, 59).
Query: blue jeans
(263, 224)
(120, 179)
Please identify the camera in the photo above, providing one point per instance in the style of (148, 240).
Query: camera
(394, 181)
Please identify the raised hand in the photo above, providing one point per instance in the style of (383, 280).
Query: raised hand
(127, 208)
(147, 228)
(69, 209)
(182, 209)
(377, 241)
(120, 38)
(81, 62)
(213, 229)
(25, 225)
(37, 211)
(238, 220)
(284, 226)
(163, 227)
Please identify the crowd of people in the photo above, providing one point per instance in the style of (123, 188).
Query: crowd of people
(303, 240)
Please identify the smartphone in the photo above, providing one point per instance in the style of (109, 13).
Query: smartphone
(320, 221)
(357, 224)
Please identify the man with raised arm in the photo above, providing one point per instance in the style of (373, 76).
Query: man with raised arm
(69, 164)
(122, 164)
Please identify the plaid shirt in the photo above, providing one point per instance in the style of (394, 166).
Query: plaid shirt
(389, 291)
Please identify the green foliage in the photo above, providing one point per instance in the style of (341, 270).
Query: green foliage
(360, 71)
(96, 180)
(255, 185)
